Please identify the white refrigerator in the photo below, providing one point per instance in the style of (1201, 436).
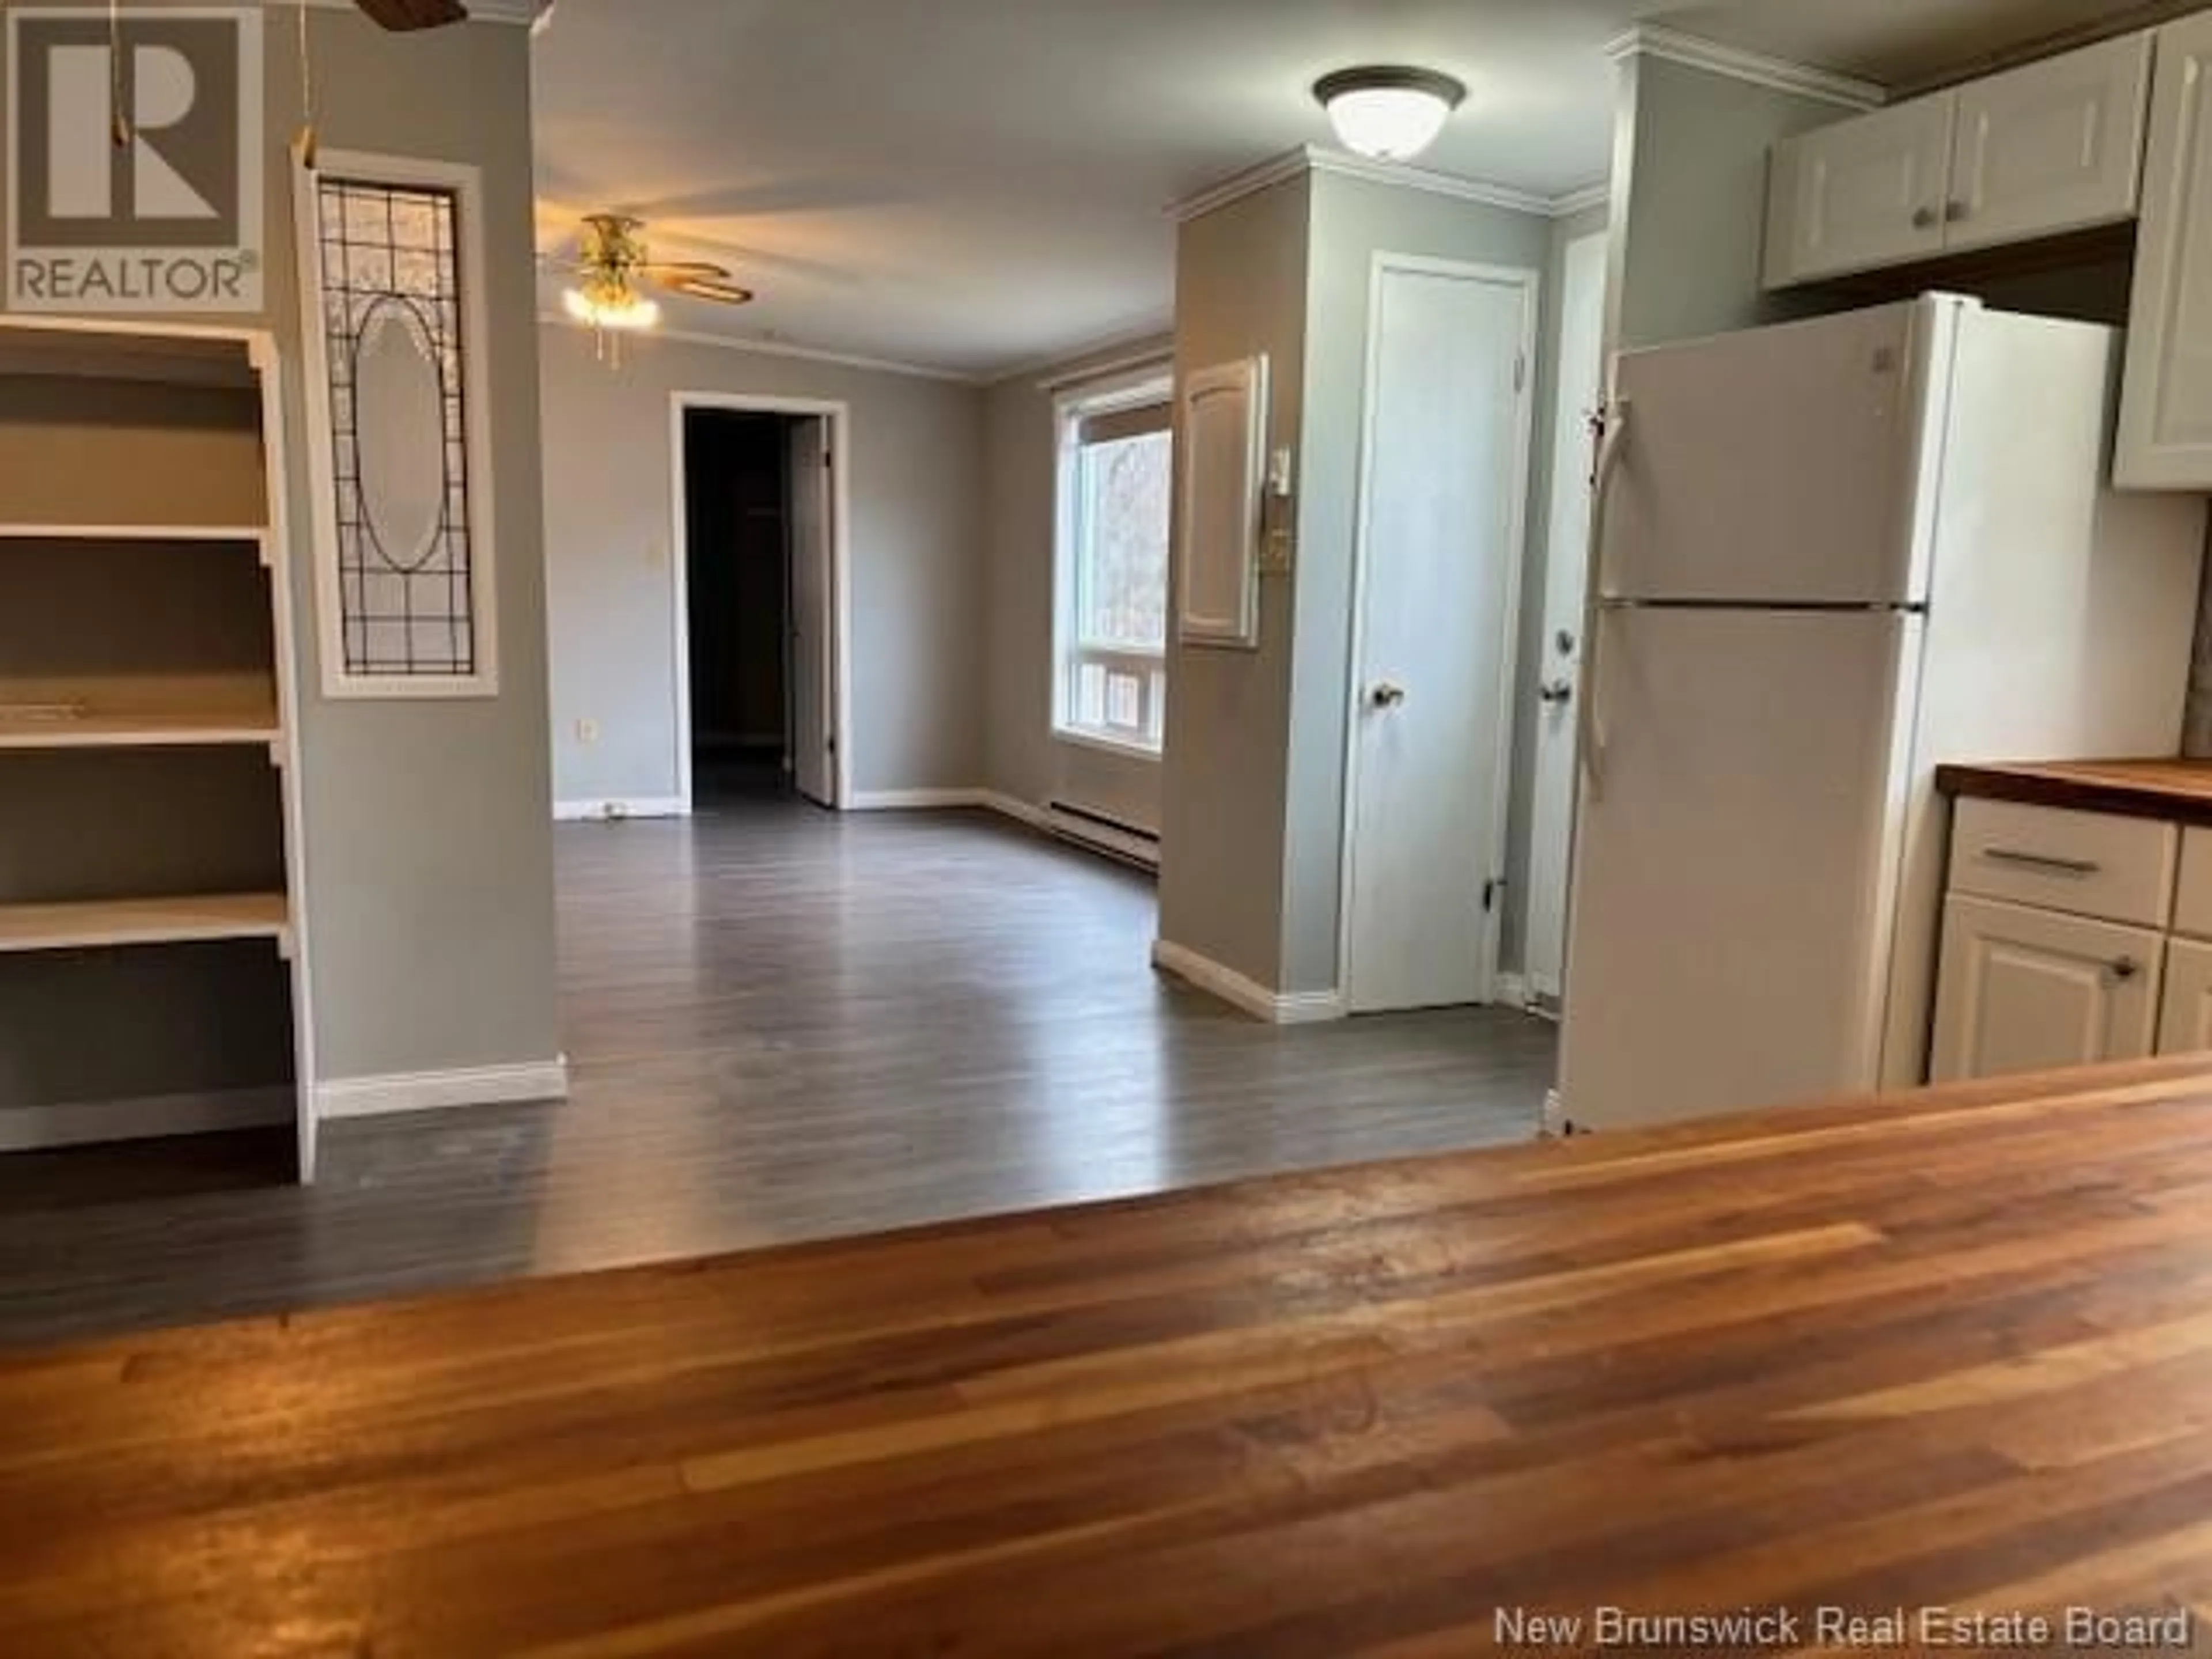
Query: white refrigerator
(1827, 557)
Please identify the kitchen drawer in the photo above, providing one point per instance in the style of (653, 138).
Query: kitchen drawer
(2192, 895)
(2088, 864)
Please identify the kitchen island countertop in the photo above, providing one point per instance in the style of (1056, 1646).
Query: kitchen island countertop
(1945, 1350)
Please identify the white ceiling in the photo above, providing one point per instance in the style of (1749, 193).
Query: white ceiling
(972, 185)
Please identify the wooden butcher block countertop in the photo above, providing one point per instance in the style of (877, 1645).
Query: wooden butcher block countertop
(1951, 1350)
(2177, 790)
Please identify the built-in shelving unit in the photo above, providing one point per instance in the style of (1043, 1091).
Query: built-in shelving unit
(105, 924)
(150, 728)
(152, 966)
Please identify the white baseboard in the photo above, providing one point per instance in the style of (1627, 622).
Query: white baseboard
(1276, 1007)
(78, 1123)
(432, 1091)
(913, 800)
(1509, 991)
(614, 811)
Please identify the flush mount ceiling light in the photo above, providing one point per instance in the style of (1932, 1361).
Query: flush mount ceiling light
(1389, 112)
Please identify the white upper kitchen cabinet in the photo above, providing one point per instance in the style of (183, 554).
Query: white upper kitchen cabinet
(1864, 192)
(2166, 413)
(2054, 147)
(2038, 151)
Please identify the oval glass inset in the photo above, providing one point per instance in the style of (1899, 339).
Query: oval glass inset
(399, 433)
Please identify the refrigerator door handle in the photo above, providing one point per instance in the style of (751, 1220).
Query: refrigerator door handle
(1590, 738)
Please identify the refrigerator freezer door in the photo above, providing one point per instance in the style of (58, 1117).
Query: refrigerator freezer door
(1735, 873)
(1776, 466)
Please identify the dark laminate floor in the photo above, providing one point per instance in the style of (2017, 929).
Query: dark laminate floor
(783, 1025)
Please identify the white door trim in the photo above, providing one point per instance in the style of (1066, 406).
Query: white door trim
(1530, 282)
(1577, 552)
(839, 414)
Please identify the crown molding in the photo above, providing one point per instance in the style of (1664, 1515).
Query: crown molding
(780, 349)
(1478, 191)
(1104, 354)
(1581, 200)
(1738, 63)
(1277, 169)
(1316, 158)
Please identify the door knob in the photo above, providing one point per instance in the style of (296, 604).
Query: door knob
(1558, 693)
(1387, 694)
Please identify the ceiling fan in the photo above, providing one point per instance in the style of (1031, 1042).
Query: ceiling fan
(613, 268)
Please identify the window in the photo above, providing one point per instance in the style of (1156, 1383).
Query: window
(1116, 474)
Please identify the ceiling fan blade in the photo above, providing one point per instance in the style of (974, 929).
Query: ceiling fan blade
(719, 288)
(405, 15)
(669, 270)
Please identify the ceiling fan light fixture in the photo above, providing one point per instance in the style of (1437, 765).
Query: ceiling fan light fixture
(1389, 112)
(628, 312)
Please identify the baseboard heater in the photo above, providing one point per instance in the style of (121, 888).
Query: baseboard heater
(1114, 837)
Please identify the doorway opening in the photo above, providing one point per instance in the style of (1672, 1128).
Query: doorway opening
(758, 556)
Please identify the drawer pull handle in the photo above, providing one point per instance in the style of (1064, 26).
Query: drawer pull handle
(2057, 866)
(2126, 969)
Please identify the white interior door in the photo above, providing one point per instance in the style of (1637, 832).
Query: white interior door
(1566, 562)
(1441, 514)
(813, 759)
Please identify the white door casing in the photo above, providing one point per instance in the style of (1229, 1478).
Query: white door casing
(1551, 831)
(1444, 489)
(812, 763)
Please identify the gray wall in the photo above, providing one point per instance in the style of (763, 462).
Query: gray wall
(1023, 759)
(1689, 201)
(429, 860)
(915, 468)
(1240, 289)
(1353, 220)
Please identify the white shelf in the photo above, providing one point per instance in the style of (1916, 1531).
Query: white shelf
(141, 730)
(103, 923)
(133, 532)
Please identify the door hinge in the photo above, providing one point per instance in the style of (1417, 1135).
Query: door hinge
(829, 745)
(1520, 371)
(1493, 890)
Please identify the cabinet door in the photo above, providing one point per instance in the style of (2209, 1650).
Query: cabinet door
(2054, 147)
(2165, 415)
(1864, 192)
(2024, 990)
(2185, 1015)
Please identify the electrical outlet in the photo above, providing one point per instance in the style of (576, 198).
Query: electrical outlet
(587, 732)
